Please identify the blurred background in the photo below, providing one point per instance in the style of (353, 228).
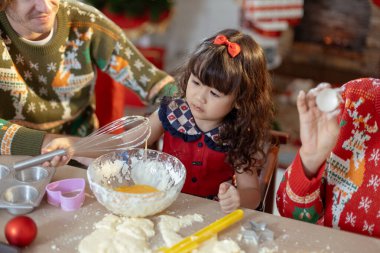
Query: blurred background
(306, 42)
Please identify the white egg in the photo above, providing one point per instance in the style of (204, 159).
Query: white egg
(328, 100)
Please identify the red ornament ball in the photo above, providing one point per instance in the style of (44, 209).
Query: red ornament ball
(20, 231)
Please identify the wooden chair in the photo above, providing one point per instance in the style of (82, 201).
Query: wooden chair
(268, 173)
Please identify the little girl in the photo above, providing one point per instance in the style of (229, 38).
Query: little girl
(220, 121)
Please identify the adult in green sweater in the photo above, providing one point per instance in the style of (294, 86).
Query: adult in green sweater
(49, 53)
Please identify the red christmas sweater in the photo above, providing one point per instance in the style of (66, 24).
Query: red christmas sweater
(345, 193)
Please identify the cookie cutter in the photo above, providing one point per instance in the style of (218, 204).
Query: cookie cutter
(67, 193)
(257, 233)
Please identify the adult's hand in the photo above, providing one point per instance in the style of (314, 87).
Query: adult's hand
(318, 130)
(53, 142)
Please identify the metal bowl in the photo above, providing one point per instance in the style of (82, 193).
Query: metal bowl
(32, 174)
(4, 171)
(20, 198)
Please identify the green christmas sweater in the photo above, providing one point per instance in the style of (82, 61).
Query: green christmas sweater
(50, 88)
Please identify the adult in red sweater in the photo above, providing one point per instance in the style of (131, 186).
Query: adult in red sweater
(335, 177)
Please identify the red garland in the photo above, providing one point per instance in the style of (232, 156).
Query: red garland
(376, 2)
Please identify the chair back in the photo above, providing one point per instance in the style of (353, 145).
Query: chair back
(268, 173)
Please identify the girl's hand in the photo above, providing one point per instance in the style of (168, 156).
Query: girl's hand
(318, 130)
(60, 143)
(229, 198)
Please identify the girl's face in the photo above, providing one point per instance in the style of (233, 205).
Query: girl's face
(32, 19)
(208, 105)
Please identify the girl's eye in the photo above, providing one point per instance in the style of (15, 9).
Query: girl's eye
(196, 83)
(215, 94)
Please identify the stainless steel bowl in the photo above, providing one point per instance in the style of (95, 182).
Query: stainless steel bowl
(21, 197)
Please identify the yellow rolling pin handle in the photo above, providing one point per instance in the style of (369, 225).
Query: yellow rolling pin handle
(193, 241)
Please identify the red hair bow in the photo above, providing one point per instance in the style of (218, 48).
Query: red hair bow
(232, 48)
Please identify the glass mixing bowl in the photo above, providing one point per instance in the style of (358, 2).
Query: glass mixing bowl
(136, 167)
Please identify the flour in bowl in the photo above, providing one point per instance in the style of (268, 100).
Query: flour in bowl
(116, 169)
(159, 174)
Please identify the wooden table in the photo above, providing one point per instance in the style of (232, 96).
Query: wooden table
(60, 231)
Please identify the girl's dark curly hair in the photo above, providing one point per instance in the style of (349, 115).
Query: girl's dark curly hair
(246, 76)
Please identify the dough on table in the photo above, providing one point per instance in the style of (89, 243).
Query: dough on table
(115, 234)
(119, 234)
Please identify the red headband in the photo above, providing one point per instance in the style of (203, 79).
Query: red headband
(232, 48)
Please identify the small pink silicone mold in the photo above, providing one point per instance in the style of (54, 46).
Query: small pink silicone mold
(67, 193)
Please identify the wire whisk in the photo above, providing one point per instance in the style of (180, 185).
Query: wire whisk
(136, 131)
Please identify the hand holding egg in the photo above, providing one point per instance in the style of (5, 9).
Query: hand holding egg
(319, 127)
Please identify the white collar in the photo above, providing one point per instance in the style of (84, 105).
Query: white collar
(43, 41)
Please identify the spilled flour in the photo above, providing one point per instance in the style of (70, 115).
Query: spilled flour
(215, 246)
(122, 234)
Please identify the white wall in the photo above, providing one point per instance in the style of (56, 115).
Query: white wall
(193, 21)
